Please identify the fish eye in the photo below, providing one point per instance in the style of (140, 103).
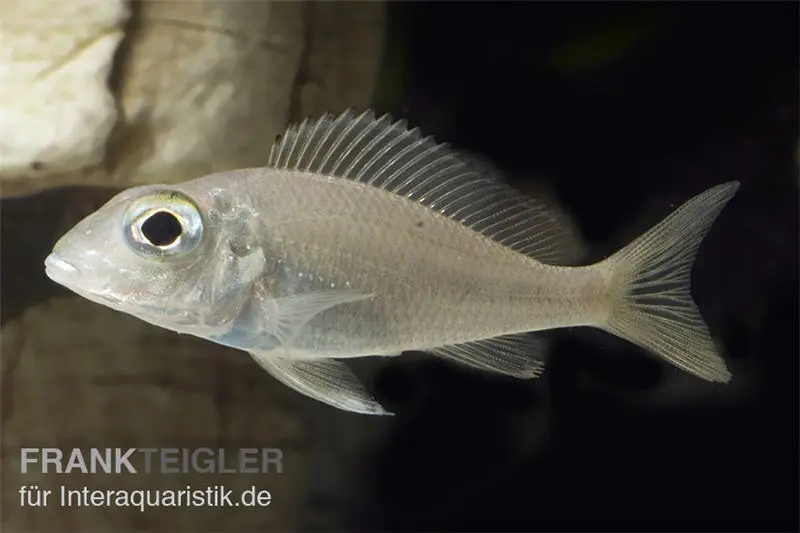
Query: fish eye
(163, 225)
(162, 228)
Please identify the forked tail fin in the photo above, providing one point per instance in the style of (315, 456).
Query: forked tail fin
(651, 303)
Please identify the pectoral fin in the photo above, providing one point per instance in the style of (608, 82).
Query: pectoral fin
(271, 323)
(327, 380)
(291, 313)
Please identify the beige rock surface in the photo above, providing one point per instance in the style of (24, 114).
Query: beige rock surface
(56, 108)
(195, 86)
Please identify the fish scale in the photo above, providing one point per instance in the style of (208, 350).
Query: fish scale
(476, 282)
(360, 237)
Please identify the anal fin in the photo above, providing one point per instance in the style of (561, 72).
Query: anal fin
(326, 380)
(518, 355)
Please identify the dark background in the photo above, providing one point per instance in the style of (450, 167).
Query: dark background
(626, 110)
(623, 111)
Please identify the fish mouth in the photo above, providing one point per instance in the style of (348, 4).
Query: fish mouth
(59, 269)
(70, 276)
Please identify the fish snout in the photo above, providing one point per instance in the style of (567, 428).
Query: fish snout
(59, 269)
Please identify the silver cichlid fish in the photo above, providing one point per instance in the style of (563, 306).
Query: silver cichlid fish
(363, 238)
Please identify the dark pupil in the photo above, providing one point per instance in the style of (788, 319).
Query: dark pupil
(161, 228)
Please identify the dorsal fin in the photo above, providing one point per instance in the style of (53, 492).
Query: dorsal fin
(389, 155)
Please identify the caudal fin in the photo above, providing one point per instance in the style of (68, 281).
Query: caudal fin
(651, 303)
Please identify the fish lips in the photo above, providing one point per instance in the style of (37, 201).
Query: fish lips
(70, 276)
(60, 270)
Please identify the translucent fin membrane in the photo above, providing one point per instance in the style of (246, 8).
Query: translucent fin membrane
(389, 155)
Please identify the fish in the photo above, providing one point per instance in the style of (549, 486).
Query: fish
(362, 237)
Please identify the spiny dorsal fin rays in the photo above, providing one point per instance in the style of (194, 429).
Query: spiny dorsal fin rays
(391, 156)
(565, 230)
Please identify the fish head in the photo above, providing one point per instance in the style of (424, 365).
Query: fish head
(159, 253)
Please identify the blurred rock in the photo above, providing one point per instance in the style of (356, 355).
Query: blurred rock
(194, 87)
(341, 59)
(56, 110)
(76, 375)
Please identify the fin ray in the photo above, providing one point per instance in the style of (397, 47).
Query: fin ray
(519, 355)
(293, 312)
(650, 291)
(393, 157)
(270, 324)
(326, 380)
